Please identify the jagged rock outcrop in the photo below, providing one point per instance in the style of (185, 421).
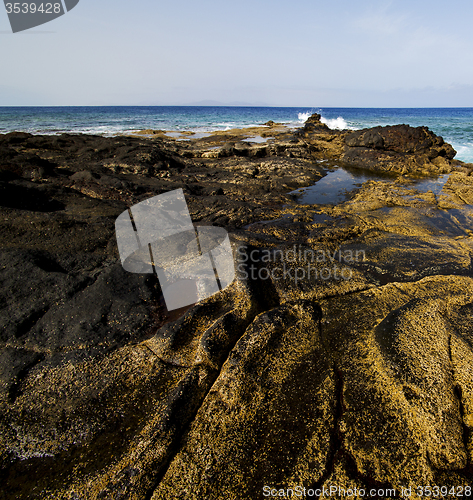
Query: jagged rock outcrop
(314, 124)
(323, 142)
(398, 148)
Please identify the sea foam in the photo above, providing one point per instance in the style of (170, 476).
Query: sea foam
(332, 123)
(335, 123)
(303, 117)
(464, 151)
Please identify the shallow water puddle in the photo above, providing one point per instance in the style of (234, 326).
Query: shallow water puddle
(257, 138)
(337, 184)
(452, 222)
(181, 136)
(431, 184)
(199, 135)
(334, 187)
(173, 134)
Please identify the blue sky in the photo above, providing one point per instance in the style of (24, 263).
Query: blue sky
(299, 53)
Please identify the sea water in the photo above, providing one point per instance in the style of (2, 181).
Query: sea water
(455, 125)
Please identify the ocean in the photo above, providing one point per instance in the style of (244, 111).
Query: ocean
(455, 125)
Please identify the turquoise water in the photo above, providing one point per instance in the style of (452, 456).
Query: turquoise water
(455, 125)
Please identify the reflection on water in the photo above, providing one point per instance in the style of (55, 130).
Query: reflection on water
(257, 138)
(453, 222)
(199, 135)
(173, 134)
(333, 188)
(180, 136)
(431, 184)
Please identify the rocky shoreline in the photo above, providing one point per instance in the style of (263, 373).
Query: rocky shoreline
(359, 381)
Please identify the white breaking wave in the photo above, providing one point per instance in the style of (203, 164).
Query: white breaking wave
(332, 123)
(464, 151)
(304, 116)
(335, 123)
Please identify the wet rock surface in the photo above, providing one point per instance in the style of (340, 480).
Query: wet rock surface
(341, 355)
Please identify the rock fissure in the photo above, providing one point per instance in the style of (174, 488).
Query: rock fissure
(164, 361)
(466, 436)
(26, 325)
(336, 447)
(253, 286)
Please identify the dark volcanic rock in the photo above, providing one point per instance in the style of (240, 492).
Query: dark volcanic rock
(401, 139)
(313, 124)
(398, 148)
(323, 142)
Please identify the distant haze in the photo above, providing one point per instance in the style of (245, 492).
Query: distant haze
(300, 53)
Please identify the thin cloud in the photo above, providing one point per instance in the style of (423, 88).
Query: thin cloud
(379, 21)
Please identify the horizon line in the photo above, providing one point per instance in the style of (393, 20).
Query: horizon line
(218, 106)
